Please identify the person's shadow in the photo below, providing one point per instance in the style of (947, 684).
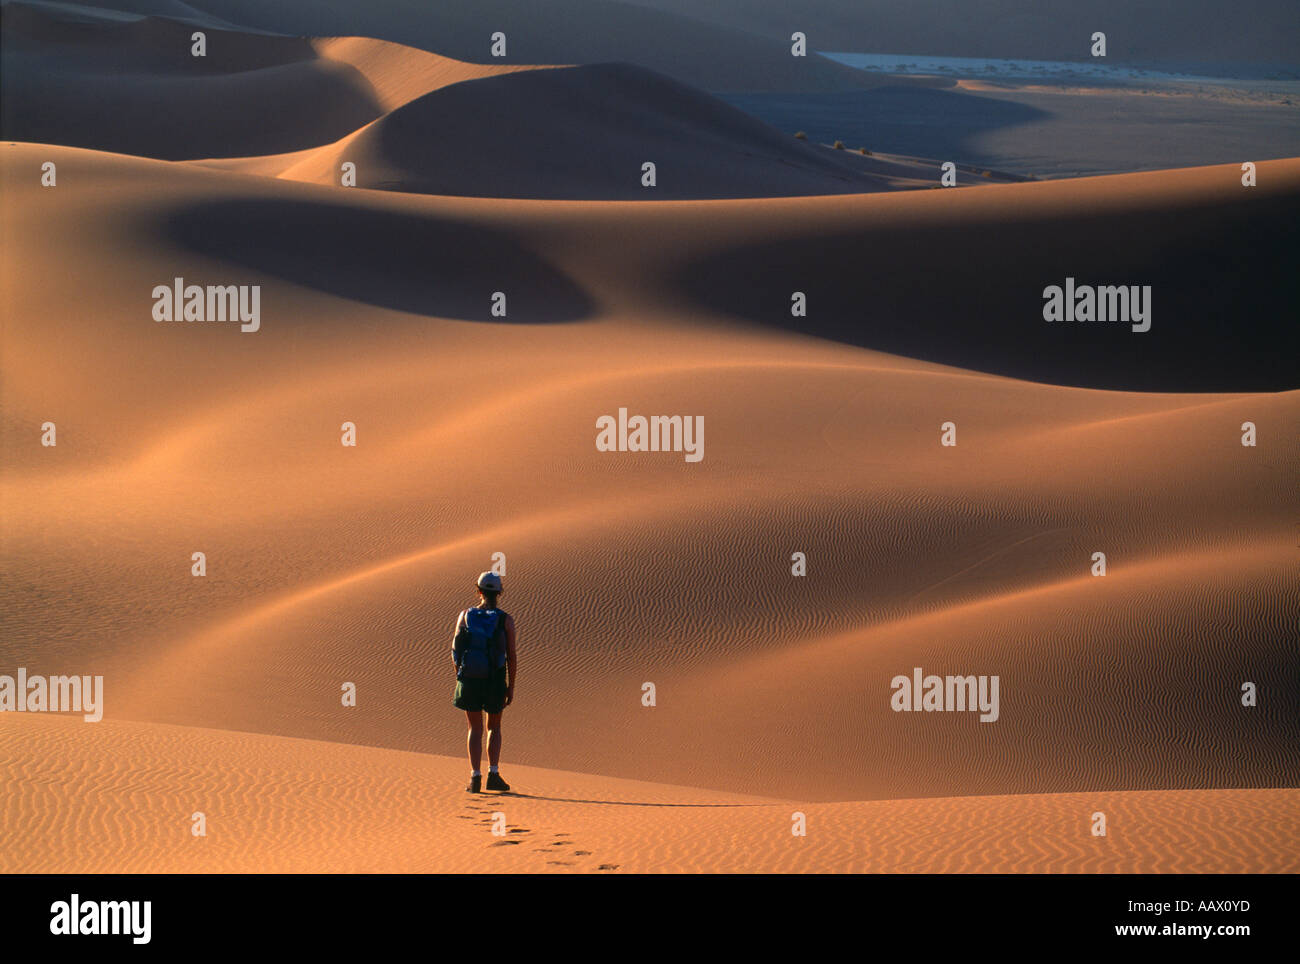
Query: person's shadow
(624, 803)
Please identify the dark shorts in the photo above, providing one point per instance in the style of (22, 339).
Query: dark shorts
(482, 694)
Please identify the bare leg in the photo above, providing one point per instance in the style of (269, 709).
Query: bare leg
(474, 741)
(494, 739)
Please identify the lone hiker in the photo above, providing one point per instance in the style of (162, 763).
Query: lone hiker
(483, 651)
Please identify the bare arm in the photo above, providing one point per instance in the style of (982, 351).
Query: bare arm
(511, 662)
(455, 632)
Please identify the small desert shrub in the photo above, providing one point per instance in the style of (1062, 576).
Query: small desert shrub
(801, 135)
(839, 145)
(986, 174)
(864, 152)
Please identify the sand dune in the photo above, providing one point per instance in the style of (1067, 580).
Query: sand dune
(578, 134)
(1190, 231)
(409, 119)
(855, 260)
(688, 48)
(398, 74)
(560, 32)
(295, 806)
(134, 87)
(330, 565)
(585, 133)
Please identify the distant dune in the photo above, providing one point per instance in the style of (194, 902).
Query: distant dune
(695, 52)
(398, 74)
(409, 119)
(133, 88)
(584, 133)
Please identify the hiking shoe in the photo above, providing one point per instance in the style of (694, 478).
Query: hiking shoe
(474, 783)
(496, 783)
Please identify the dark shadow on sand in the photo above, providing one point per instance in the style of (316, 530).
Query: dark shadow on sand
(626, 803)
(406, 262)
(1224, 293)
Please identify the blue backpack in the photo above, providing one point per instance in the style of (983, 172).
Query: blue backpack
(480, 645)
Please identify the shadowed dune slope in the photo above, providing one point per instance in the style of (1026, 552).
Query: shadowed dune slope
(959, 278)
(382, 257)
(910, 273)
(585, 132)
